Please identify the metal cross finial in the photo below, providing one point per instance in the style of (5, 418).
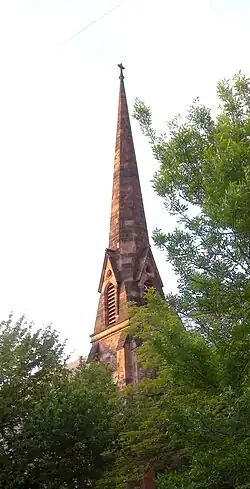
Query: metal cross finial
(121, 70)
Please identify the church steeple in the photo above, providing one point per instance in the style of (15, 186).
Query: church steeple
(129, 266)
(128, 222)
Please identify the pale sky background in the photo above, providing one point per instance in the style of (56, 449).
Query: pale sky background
(58, 110)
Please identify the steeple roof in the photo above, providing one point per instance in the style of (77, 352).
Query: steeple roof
(128, 262)
(128, 222)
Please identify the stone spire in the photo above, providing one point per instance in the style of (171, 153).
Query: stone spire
(128, 223)
(129, 267)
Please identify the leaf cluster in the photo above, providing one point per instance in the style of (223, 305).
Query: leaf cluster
(55, 424)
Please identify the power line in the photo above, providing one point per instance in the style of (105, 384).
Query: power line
(92, 23)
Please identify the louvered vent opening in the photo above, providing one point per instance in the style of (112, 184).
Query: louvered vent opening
(111, 313)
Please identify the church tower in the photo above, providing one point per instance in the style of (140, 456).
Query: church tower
(129, 267)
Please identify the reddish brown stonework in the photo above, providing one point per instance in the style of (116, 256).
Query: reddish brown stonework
(128, 262)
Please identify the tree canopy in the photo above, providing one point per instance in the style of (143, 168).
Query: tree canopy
(55, 424)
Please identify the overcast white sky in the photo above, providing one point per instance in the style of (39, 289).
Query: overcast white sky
(58, 109)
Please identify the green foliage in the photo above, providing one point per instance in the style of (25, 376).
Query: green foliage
(191, 423)
(54, 424)
(204, 402)
(204, 179)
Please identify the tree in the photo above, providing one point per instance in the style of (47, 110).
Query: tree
(204, 179)
(54, 424)
(200, 414)
(192, 423)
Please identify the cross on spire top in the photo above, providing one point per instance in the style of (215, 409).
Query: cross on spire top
(121, 71)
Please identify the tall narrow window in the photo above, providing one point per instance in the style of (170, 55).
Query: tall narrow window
(111, 307)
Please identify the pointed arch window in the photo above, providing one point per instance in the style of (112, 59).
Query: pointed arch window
(110, 304)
